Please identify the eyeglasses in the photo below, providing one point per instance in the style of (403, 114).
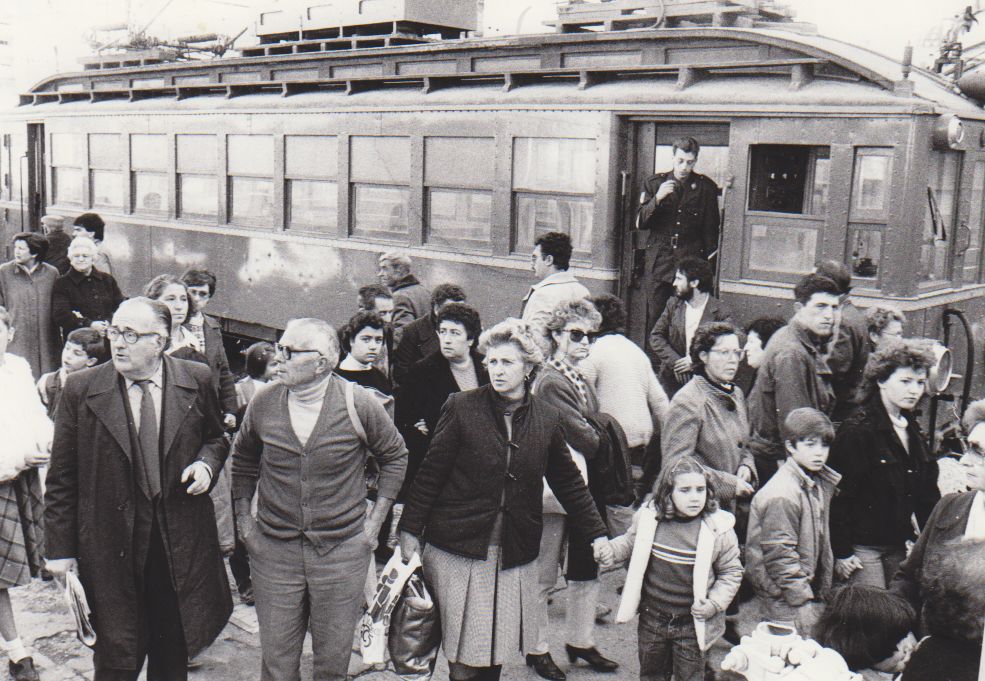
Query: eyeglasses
(734, 354)
(287, 351)
(129, 335)
(577, 335)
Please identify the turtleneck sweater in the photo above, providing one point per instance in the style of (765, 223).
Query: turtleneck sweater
(304, 405)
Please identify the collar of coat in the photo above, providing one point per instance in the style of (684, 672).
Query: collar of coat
(825, 476)
(562, 277)
(404, 282)
(716, 393)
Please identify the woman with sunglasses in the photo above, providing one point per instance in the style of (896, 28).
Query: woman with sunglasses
(569, 333)
(887, 473)
(708, 418)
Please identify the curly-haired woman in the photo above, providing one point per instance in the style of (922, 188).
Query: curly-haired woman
(887, 473)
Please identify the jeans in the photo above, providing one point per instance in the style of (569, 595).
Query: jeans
(879, 564)
(668, 647)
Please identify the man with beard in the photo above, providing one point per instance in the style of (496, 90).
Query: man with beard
(679, 210)
(691, 306)
(794, 371)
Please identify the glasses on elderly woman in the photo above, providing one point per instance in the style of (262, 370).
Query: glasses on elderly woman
(577, 336)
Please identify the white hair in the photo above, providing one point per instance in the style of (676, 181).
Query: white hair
(397, 258)
(82, 242)
(323, 336)
(517, 332)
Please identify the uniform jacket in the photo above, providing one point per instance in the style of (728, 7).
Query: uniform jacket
(57, 256)
(222, 378)
(417, 341)
(27, 298)
(668, 336)
(706, 422)
(849, 353)
(96, 512)
(545, 295)
(410, 301)
(717, 568)
(464, 480)
(881, 484)
(690, 213)
(793, 374)
(788, 547)
(94, 297)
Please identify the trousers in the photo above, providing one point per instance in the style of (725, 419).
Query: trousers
(879, 564)
(297, 590)
(668, 647)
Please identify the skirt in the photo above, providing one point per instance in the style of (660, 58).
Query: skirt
(21, 529)
(480, 604)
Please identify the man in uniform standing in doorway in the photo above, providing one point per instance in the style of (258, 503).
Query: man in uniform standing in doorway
(679, 209)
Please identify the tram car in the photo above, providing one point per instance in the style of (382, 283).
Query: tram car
(289, 168)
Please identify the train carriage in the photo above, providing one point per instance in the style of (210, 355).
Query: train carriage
(288, 171)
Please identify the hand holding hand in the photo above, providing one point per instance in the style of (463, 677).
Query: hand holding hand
(603, 552)
(703, 609)
(201, 476)
(409, 545)
(844, 567)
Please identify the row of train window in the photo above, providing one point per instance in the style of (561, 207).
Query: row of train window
(553, 188)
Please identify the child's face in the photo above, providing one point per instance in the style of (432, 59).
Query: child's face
(273, 370)
(74, 358)
(690, 494)
(366, 345)
(810, 453)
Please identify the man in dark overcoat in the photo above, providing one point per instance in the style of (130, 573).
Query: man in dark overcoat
(138, 444)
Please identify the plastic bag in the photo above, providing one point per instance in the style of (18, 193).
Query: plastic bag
(376, 621)
(415, 632)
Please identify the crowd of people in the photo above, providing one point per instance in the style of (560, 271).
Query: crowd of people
(784, 455)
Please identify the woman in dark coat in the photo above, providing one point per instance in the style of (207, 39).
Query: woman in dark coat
(942, 576)
(476, 501)
(887, 474)
(455, 367)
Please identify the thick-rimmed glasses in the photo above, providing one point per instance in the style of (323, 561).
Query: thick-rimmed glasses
(577, 335)
(730, 354)
(129, 335)
(287, 351)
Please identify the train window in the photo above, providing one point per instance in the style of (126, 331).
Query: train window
(5, 168)
(973, 250)
(311, 166)
(786, 178)
(865, 242)
(944, 173)
(105, 152)
(459, 174)
(18, 149)
(380, 174)
(251, 184)
(554, 187)
(871, 179)
(148, 174)
(782, 248)
(106, 188)
(198, 186)
(251, 155)
(66, 168)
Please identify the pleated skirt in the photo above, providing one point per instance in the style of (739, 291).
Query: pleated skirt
(481, 605)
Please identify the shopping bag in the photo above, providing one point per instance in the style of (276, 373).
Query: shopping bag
(376, 621)
(75, 598)
(415, 632)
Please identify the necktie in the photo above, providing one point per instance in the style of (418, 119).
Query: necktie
(149, 440)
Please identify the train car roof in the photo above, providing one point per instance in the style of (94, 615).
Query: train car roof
(631, 69)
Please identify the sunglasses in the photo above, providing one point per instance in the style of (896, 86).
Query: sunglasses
(577, 336)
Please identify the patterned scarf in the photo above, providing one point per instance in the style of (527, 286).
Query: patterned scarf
(573, 375)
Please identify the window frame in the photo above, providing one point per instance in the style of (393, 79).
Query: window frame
(80, 168)
(380, 235)
(116, 167)
(486, 187)
(291, 177)
(138, 167)
(251, 221)
(954, 222)
(179, 210)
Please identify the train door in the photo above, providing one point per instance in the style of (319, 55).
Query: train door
(649, 150)
(36, 191)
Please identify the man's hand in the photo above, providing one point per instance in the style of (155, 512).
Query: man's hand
(409, 545)
(666, 188)
(703, 609)
(422, 427)
(844, 567)
(245, 526)
(603, 552)
(37, 459)
(201, 476)
(743, 489)
(744, 473)
(229, 421)
(60, 566)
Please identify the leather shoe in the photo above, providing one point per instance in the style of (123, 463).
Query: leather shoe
(593, 657)
(23, 670)
(731, 634)
(545, 667)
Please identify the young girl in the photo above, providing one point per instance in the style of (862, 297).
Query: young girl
(683, 573)
(27, 434)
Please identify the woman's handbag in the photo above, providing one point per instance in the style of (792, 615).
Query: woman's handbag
(376, 621)
(415, 632)
(551, 503)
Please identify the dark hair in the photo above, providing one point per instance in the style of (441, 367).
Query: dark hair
(613, 312)
(558, 246)
(358, 322)
(91, 342)
(864, 624)
(155, 288)
(814, 283)
(805, 423)
(951, 586)
(462, 314)
(688, 145)
(257, 358)
(705, 337)
(37, 244)
(91, 222)
(879, 316)
(696, 268)
(443, 293)
(836, 272)
(200, 278)
(663, 488)
(895, 353)
(370, 292)
(765, 327)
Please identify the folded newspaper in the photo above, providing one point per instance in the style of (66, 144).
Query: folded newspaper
(75, 597)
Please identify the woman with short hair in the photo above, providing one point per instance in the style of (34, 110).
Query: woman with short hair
(476, 502)
(885, 322)
(887, 473)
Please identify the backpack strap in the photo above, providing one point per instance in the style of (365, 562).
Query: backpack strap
(350, 406)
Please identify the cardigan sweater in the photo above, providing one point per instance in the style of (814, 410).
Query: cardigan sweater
(319, 490)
